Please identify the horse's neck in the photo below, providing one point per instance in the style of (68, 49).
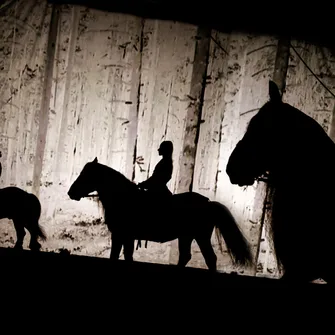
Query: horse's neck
(310, 170)
(114, 192)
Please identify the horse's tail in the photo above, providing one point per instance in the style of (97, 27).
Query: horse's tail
(237, 246)
(41, 233)
(36, 213)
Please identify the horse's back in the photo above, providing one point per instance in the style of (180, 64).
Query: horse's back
(12, 192)
(16, 202)
(189, 198)
(178, 216)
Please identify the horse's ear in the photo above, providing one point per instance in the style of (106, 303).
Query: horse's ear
(95, 160)
(274, 92)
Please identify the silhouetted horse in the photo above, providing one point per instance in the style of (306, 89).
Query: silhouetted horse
(24, 209)
(131, 214)
(300, 159)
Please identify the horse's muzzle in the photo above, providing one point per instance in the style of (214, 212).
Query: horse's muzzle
(73, 196)
(242, 181)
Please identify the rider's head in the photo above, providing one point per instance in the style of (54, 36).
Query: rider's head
(166, 148)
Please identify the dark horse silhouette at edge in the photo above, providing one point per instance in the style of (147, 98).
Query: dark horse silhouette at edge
(299, 158)
(24, 209)
(131, 215)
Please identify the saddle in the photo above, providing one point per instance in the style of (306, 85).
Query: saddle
(157, 200)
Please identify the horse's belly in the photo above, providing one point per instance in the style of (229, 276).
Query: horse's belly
(159, 232)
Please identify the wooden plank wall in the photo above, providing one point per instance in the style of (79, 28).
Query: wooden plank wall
(24, 30)
(250, 64)
(120, 86)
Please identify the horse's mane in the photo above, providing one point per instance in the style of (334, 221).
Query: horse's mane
(306, 190)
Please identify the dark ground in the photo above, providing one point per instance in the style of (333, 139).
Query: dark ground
(140, 277)
(59, 289)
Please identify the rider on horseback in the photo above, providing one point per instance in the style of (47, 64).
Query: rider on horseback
(156, 184)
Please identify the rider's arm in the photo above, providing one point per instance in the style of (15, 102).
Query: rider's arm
(161, 175)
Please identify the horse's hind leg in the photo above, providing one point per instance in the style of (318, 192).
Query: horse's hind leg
(34, 245)
(207, 251)
(20, 234)
(128, 248)
(32, 227)
(116, 248)
(184, 244)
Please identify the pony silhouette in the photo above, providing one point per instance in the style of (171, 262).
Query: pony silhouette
(299, 158)
(132, 214)
(24, 209)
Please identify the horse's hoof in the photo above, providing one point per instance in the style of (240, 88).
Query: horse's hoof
(18, 247)
(35, 248)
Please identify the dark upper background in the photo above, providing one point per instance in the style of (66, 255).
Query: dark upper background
(312, 21)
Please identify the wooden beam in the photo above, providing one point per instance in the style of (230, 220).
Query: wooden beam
(193, 118)
(75, 16)
(134, 108)
(281, 63)
(332, 126)
(46, 96)
(262, 204)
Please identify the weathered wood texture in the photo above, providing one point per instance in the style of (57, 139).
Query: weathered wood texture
(43, 116)
(23, 44)
(303, 90)
(167, 62)
(250, 66)
(24, 28)
(94, 110)
(166, 76)
(193, 116)
(120, 86)
(192, 121)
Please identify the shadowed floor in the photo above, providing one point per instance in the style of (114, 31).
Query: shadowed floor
(91, 270)
(48, 283)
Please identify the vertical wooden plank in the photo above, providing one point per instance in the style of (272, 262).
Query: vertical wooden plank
(22, 57)
(332, 125)
(55, 172)
(303, 90)
(95, 93)
(192, 121)
(69, 46)
(134, 109)
(250, 66)
(263, 255)
(281, 63)
(208, 147)
(168, 52)
(24, 29)
(44, 111)
(193, 116)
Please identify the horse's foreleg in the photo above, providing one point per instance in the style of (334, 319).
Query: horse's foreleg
(20, 234)
(116, 249)
(129, 249)
(184, 244)
(34, 245)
